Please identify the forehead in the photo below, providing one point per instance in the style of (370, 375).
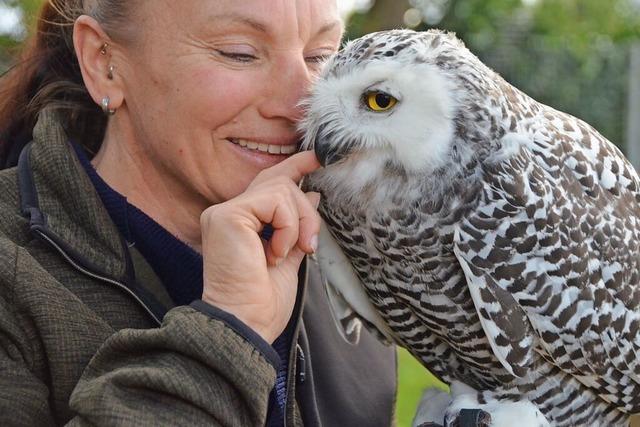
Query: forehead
(272, 17)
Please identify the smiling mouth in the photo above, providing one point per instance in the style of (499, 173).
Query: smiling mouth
(265, 148)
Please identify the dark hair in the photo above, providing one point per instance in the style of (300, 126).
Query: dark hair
(47, 74)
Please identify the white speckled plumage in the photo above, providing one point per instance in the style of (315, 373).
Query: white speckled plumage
(497, 237)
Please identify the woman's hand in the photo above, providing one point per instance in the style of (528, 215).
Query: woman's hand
(254, 280)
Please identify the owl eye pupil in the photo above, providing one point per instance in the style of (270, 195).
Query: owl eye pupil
(379, 101)
(383, 100)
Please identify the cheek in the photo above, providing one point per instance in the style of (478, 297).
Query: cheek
(221, 94)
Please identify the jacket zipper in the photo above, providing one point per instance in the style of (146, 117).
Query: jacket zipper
(97, 276)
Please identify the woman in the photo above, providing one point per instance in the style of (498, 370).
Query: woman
(134, 285)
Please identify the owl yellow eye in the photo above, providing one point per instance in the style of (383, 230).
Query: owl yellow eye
(379, 101)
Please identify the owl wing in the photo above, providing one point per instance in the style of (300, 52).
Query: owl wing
(348, 301)
(551, 262)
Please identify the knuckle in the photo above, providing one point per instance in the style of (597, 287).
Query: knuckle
(209, 215)
(280, 198)
(285, 197)
(206, 215)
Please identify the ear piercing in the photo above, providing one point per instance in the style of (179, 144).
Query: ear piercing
(105, 106)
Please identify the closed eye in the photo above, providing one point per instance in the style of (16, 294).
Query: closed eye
(235, 56)
(317, 59)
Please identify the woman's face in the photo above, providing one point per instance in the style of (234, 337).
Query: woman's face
(212, 87)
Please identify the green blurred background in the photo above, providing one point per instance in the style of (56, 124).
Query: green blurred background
(579, 56)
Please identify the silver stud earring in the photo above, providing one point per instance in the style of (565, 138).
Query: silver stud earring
(103, 50)
(110, 72)
(105, 106)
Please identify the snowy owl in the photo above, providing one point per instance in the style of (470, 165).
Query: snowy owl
(495, 238)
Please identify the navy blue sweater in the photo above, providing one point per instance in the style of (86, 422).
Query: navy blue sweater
(179, 268)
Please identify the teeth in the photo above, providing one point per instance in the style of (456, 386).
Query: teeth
(288, 149)
(274, 149)
(266, 148)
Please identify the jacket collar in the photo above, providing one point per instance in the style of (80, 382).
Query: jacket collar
(63, 206)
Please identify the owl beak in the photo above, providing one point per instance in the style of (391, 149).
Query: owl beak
(326, 152)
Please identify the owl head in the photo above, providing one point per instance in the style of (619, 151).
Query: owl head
(394, 99)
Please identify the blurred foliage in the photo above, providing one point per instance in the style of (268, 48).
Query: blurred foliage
(412, 380)
(29, 9)
(9, 43)
(575, 22)
(570, 54)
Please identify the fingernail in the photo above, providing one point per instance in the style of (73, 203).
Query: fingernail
(314, 242)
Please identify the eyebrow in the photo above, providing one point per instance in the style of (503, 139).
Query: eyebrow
(262, 28)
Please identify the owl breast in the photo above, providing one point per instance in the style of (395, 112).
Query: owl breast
(404, 259)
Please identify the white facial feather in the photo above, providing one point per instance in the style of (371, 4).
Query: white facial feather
(415, 134)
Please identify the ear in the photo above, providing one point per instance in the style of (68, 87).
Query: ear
(95, 59)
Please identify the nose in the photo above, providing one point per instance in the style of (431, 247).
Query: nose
(289, 81)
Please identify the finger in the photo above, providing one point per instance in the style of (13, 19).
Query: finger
(314, 198)
(295, 223)
(294, 168)
(295, 257)
(309, 222)
(285, 223)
